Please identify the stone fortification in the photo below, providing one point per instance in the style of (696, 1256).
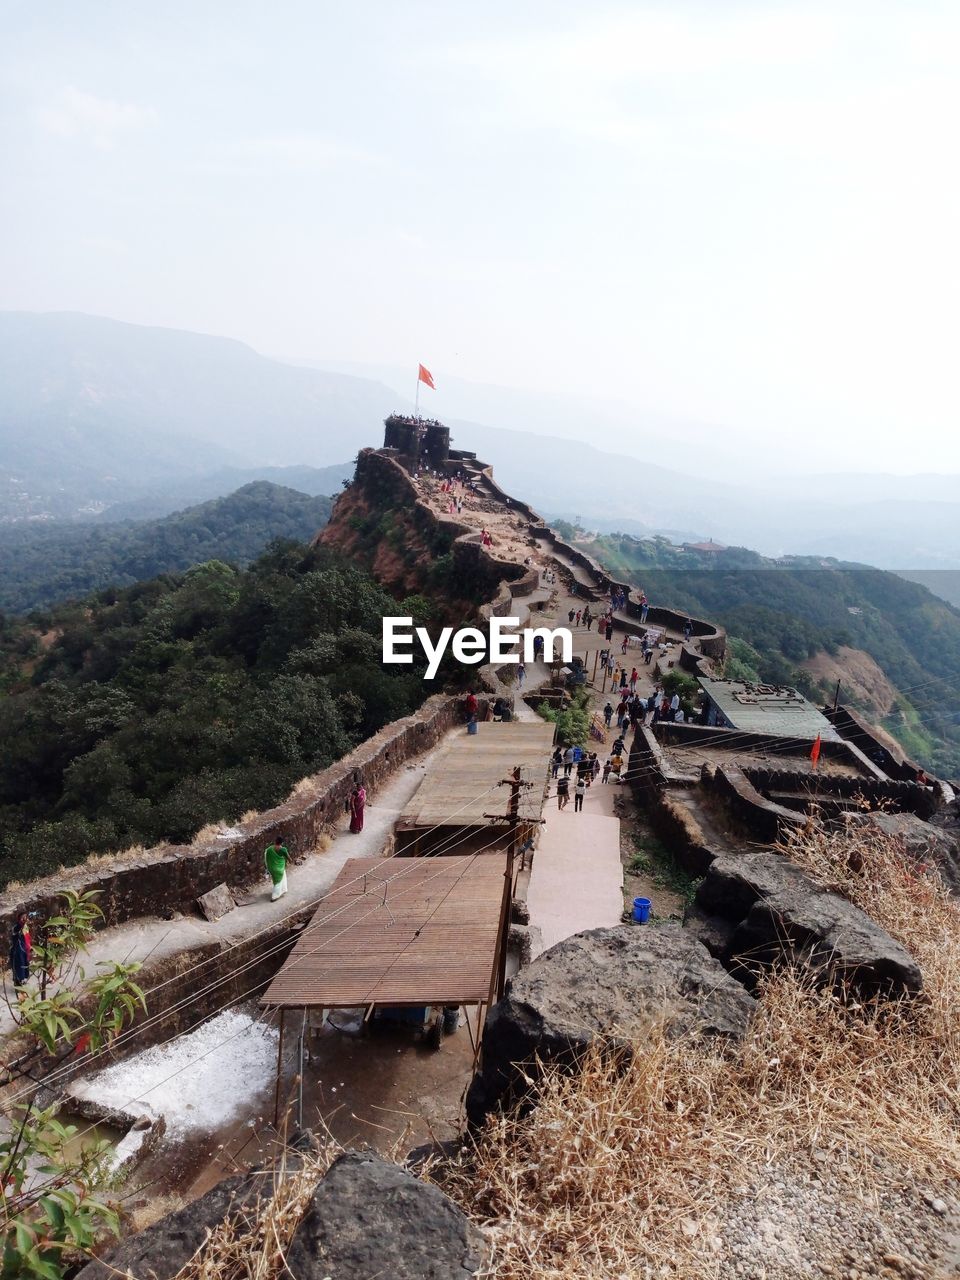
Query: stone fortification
(169, 879)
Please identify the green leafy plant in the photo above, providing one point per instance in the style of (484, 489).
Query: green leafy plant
(653, 859)
(50, 1207)
(572, 720)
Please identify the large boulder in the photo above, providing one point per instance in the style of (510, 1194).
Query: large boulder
(759, 908)
(160, 1251)
(370, 1218)
(606, 985)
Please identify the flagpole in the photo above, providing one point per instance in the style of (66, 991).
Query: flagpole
(417, 398)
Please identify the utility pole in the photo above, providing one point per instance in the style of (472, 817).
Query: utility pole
(515, 783)
(836, 697)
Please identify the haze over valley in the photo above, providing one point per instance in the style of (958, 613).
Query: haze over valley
(97, 415)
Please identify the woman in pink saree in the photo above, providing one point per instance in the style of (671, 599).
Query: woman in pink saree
(358, 800)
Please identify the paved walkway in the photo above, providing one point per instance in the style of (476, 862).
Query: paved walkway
(150, 939)
(577, 877)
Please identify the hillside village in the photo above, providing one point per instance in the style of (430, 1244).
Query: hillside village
(463, 966)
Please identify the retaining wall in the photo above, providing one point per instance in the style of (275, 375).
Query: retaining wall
(851, 725)
(768, 821)
(169, 879)
(738, 740)
(903, 797)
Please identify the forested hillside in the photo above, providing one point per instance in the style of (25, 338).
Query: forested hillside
(44, 562)
(144, 713)
(780, 612)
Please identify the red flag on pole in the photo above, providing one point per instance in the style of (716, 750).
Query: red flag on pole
(815, 751)
(426, 376)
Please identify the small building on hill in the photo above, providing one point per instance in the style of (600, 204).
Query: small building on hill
(763, 708)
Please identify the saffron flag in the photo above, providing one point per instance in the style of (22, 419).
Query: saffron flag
(815, 751)
(426, 376)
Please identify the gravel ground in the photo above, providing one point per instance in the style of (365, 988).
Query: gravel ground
(817, 1224)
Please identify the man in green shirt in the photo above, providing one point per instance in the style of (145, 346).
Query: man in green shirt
(276, 857)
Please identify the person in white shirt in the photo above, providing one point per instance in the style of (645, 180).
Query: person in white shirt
(675, 702)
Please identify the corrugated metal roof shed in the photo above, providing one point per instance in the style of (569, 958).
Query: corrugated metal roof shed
(459, 788)
(398, 931)
(767, 708)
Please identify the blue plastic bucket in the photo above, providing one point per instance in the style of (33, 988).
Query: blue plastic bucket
(641, 910)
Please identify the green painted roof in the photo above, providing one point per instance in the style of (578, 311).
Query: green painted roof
(767, 708)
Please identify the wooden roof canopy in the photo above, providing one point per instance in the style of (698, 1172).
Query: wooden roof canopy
(400, 932)
(460, 786)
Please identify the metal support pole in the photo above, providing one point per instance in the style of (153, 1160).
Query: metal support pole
(514, 813)
(303, 1029)
(276, 1100)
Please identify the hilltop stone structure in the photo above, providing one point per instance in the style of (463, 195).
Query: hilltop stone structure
(721, 795)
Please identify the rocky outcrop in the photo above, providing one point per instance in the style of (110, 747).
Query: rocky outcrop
(366, 1218)
(759, 908)
(612, 986)
(924, 843)
(369, 1218)
(160, 1251)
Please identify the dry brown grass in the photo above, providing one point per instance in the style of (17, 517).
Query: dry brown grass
(252, 1245)
(624, 1172)
(617, 1170)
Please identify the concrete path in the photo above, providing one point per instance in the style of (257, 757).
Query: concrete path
(150, 939)
(577, 877)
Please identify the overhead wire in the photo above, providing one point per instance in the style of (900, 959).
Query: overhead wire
(442, 850)
(267, 1012)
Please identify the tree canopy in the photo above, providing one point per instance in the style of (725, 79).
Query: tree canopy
(146, 712)
(780, 612)
(42, 562)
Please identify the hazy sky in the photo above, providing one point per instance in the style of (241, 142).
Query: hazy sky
(747, 213)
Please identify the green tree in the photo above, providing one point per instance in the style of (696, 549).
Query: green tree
(52, 1209)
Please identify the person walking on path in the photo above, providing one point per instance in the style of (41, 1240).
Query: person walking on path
(569, 757)
(276, 858)
(358, 802)
(20, 947)
(521, 675)
(607, 714)
(606, 770)
(609, 630)
(556, 760)
(570, 616)
(563, 791)
(579, 791)
(644, 608)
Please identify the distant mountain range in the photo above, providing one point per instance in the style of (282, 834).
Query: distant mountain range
(43, 563)
(94, 412)
(98, 414)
